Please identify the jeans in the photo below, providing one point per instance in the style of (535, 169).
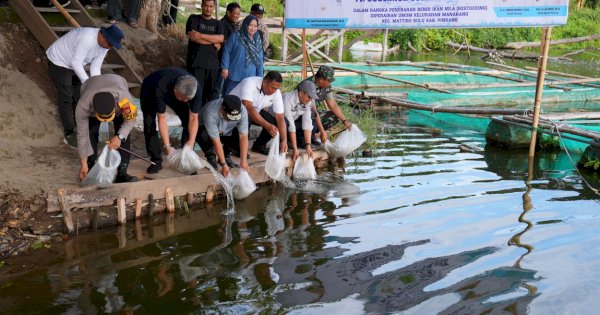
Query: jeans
(131, 10)
(68, 87)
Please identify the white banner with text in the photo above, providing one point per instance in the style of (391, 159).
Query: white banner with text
(339, 14)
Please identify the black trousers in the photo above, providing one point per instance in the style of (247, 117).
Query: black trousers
(300, 133)
(153, 143)
(207, 79)
(94, 136)
(264, 135)
(231, 144)
(67, 89)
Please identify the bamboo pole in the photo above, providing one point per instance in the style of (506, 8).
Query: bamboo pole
(546, 35)
(391, 79)
(526, 73)
(304, 54)
(66, 14)
(570, 75)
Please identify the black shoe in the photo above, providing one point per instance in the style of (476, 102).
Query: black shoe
(237, 153)
(71, 140)
(260, 149)
(153, 169)
(231, 163)
(212, 161)
(315, 142)
(126, 178)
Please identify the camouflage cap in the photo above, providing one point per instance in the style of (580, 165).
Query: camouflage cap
(326, 72)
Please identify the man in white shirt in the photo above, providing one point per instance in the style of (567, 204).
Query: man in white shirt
(297, 109)
(257, 94)
(66, 58)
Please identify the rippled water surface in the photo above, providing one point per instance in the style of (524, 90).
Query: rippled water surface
(420, 228)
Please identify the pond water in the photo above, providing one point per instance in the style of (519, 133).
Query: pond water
(420, 228)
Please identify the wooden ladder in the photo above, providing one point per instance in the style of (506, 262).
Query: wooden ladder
(46, 34)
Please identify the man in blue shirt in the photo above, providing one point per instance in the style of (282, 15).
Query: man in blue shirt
(224, 130)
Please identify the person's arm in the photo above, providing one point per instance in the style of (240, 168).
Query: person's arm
(84, 146)
(335, 109)
(307, 138)
(96, 65)
(255, 117)
(244, 152)
(265, 35)
(81, 51)
(294, 145)
(220, 155)
(206, 39)
(322, 132)
(225, 58)
(163, 130)
(192, 128)
(283, 147)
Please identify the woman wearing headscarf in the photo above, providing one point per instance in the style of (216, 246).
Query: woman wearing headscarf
(242, 55)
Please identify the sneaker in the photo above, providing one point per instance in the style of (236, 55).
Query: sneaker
(315, 142)
(260, 149)
(212, 161)
(126, 178)
(231, 163)
(71, 140)
(153, 169)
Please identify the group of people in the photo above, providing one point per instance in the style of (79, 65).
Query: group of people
(216, 117)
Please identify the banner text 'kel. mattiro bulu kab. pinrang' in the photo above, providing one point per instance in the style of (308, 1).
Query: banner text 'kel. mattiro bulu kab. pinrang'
(338, 14)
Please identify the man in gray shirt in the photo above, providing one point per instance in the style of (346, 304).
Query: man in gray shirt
(104, 98)
(224, 130)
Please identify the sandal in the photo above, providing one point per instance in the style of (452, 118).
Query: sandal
(133, 24)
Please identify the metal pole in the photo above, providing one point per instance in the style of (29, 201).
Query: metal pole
(546, 34)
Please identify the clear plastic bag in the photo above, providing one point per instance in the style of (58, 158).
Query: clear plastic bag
(346, 142)
(275, 164)
(104, 171)
(185, 160)
(304, 168)
(242, 185)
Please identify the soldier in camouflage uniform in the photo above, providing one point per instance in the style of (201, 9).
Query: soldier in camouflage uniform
(329, 114)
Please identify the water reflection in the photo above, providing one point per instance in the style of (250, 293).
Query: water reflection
(423, 228)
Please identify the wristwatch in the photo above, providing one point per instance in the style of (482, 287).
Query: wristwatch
(121, 137)
(166, 146)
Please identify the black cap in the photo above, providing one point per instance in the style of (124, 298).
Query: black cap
(257, 7)
(104, 106)
(233, 107)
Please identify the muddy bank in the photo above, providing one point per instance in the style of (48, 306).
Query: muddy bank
(34, 158)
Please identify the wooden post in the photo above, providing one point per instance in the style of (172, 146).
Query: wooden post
(64, 207)
(170, 200)
(150, 205)
(385, 45)
(328, 45)
(138, 208)
(217, 9)
(284, 45)
(304, 53)
(121, 212)
(546, 34)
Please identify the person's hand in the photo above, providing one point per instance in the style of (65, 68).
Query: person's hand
(83, 171)
(114, 143)
(348, 124)
(224, 74)
(217, 46)
(190, 144)
(295, 154)
(309, 151)
(168, 150)
(272, 130)
(323, 137)
(245, 166)
(194, 35)
(225, 170)
(283, 147)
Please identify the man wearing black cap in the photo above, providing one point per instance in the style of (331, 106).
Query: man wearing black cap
(263, 30)
(177, 89)
(104, 98)
(223, 130)
(66, 58)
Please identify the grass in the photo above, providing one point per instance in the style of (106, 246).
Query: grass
(366, 120)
